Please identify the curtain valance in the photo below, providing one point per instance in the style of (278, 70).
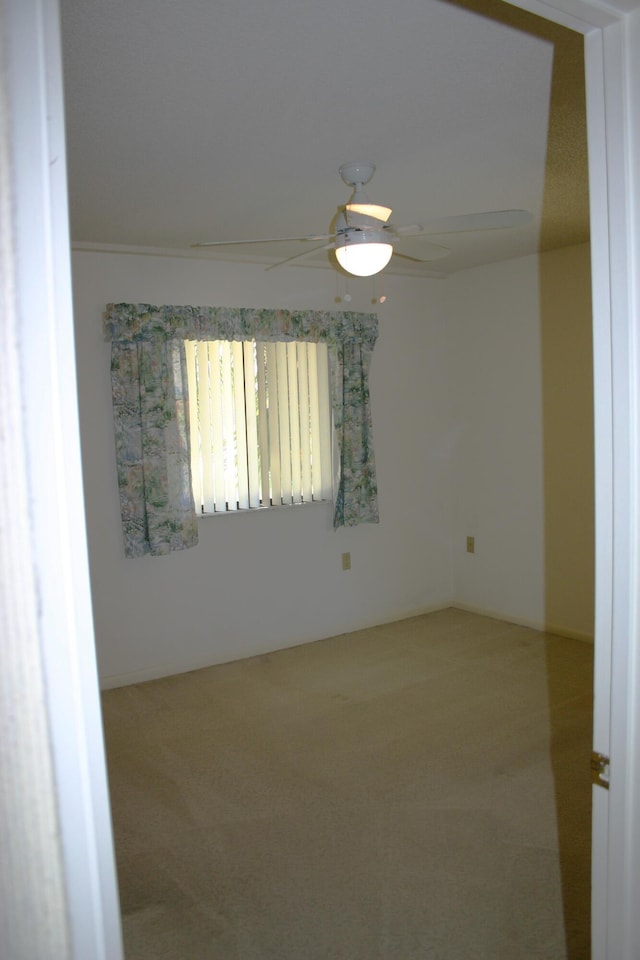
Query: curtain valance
(151, 409)
(142, 321)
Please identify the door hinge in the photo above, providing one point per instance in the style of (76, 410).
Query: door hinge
(600, 770)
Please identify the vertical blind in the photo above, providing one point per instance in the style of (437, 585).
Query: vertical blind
(260, 423)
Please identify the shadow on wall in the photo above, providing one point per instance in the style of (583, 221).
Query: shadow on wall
(565, 215)
(568, 443)
(570, 745)
(568, 446)
(568, 450)
(569, 509)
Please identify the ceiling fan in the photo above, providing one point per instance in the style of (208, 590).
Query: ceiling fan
(364, 241)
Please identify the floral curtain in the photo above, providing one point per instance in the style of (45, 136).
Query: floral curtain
(150, 403)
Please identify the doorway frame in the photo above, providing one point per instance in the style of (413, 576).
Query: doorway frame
(33, 87)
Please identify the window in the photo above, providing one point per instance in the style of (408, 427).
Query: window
(152, 402)
(260, 423)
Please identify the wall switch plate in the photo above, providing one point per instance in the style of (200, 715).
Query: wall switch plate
(471, 544)
(346, 561)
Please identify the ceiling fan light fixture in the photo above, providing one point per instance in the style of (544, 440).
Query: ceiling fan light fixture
(363, 253)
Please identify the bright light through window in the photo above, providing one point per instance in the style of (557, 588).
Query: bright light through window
(260, 423)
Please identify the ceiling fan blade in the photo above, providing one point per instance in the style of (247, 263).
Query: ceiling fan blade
(299, 256)
(491, 220)
(227, 243)
(433, 273)
(409, 230)
(422, 251)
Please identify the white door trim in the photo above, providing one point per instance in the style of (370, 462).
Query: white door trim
(54, 548)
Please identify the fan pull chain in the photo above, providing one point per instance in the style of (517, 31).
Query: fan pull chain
(381, 298)
(346, 296)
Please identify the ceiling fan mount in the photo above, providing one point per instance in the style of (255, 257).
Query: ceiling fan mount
(357, 174)
(364, 242)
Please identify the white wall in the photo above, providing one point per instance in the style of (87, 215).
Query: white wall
(481, 392)
(497, 477)
(258, 582)
(522, 388)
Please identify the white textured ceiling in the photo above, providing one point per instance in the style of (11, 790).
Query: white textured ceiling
(194, 120)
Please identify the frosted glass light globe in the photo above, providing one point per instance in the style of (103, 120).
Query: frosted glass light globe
(364, 259)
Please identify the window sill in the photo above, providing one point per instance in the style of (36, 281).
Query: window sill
(270, 509)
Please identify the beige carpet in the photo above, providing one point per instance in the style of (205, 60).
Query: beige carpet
(415, 791)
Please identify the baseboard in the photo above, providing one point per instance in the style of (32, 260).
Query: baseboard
(542, 625)
(151, 673)
(171, 669)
